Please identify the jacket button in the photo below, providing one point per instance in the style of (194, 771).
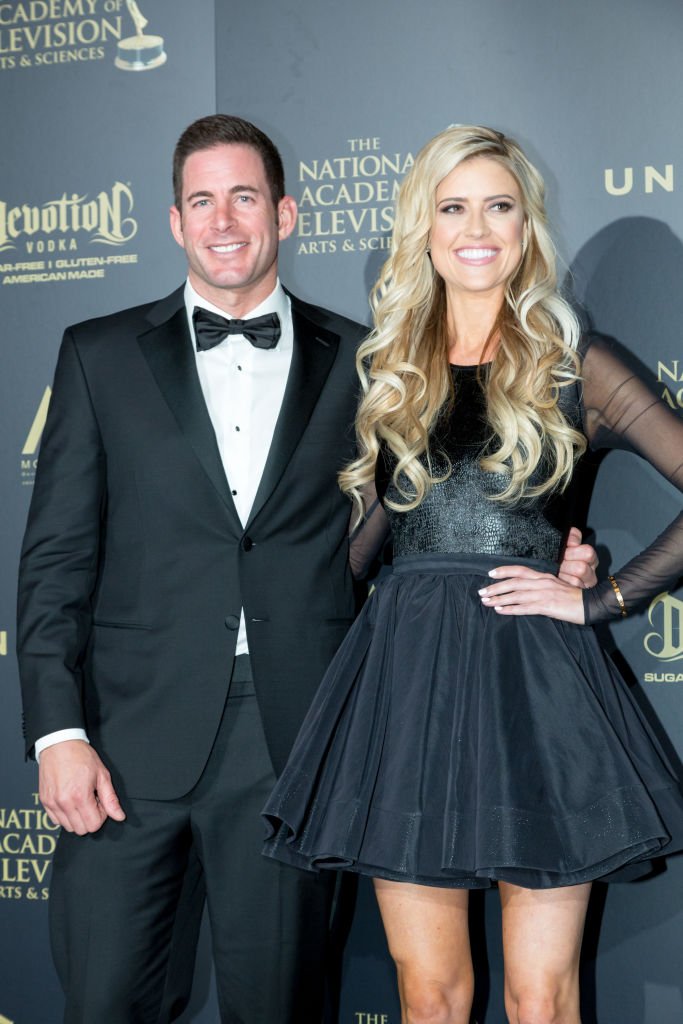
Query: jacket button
(247, 543)
(232, 621)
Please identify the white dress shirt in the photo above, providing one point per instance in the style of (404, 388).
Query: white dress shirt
(243, 388)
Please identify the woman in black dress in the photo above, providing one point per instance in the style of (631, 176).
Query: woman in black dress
(470, 730)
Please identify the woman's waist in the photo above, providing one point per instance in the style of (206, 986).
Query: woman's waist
(465, 562)
(495, 532)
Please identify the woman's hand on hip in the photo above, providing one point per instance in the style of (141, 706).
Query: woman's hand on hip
(519, 590)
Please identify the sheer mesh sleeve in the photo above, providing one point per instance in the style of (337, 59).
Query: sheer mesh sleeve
(621, 411)
(367, 538)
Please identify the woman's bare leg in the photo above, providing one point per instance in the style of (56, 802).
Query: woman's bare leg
(542, 933)
(428, 938)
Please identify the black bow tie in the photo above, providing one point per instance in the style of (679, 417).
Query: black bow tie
(210, 329)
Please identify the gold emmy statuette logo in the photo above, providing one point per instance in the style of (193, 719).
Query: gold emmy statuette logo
(668, 644)
(139, 52)
(37, 427)
(5, 1020)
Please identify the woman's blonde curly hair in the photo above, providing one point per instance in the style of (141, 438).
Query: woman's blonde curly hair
(403, 364)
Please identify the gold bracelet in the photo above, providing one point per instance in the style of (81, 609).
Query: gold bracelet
(619, 596)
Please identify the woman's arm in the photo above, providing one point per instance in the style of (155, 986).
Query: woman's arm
(619, 411)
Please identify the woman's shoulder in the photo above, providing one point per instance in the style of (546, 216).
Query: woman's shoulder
(606, 360)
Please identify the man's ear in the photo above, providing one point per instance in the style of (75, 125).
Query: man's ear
(177, 225)
(286, 217)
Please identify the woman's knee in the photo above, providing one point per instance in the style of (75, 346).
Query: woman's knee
(545, 1004)
(433, 1002)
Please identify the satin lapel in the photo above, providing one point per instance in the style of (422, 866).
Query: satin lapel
(167, 347)
(314, 353)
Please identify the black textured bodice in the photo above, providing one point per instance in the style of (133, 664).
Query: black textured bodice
(458, 514)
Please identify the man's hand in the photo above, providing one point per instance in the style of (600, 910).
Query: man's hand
(75, 788)
(579, 563)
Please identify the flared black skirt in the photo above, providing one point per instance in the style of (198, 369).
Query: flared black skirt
(449, 745)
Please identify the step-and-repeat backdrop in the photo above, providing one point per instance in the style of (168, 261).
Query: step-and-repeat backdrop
(93, 96)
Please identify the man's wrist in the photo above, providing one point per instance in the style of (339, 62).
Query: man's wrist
(61, 736)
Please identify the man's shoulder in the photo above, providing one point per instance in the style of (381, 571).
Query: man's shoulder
(328, 319)
(132, 319)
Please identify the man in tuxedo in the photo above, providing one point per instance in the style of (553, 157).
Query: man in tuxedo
(184, 584)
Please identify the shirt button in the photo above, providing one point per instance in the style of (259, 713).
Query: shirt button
(247, 543)
(232, 621)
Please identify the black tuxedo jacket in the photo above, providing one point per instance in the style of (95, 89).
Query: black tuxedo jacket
(135, 564)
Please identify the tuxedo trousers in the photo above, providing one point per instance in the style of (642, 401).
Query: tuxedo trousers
(126, 901)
